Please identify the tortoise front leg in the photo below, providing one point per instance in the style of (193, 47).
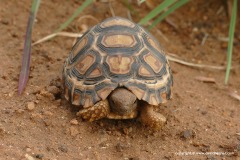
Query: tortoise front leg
(97, 111)
(151, 118)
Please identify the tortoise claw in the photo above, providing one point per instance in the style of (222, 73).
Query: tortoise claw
(97, 111)
(151, 118)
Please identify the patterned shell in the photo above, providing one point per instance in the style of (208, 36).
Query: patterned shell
(116, 53)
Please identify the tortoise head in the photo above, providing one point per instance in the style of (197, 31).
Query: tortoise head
(122, 101)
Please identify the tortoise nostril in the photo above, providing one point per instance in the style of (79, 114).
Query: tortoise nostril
(135, 101)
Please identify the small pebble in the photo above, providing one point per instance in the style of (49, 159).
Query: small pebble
(195, 29)
(205, 18)
(47, 113)
(20, 111)
(58, 102)
(103, 144)
(36, 116)
(134, 158)
(30, 106)
(74, 122)
(47, 95)
(53, 89)
(224, 45)
(28, 150)
(127, 130)
(204, 112)
(205, 148)
(120, 147)
(63, 148)
(5, 22)
(101, 124)
(28, 157)
(39, 156)
(188, 134)
(47, 122)
(118, 134)
(73, 131)
(39, 96)
(2, 129)
(36, 101)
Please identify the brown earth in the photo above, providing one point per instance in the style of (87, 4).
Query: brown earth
(40, 124)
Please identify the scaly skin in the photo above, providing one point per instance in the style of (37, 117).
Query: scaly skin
(124, 106)
(97, 111)
(151, 118)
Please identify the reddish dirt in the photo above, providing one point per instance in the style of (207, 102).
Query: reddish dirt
(202, 117)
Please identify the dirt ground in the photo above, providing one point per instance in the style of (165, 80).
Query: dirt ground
(203, 120)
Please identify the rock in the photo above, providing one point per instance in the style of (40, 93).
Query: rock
(39, 96)
(36, 116)
(5, 22)
(104, 144)
(58, 102)
(56, 82)
(204, 112)
(73, 131)
(195, 29)
(28, 157)
(47, 113)
(63, 148)
(224, 45)
(39, 156)
(74, 122)
(53, 89)
(47, 122)
(19, 111)
(117, 133)
(205, 148)
(102, 131)
(134, 158)
(120, 147)
(187, 134)
(101, 124)
(46, 94)
(30, 106)
(127, 130)
(28, 150)
(2, 129)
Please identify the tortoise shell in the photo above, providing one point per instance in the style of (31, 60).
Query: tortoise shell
(116, 53)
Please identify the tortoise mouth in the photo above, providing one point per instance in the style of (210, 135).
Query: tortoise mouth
(122, 101)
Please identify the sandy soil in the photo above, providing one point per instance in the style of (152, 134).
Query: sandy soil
(41, 124)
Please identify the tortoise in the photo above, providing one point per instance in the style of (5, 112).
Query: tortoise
(118, 70)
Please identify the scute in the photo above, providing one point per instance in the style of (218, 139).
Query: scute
(144, 71)
(117, 53)
(154, 44)
(97, 72)
(153, 62)
(117, 21)
(118, 40)
(119, 64)
(79, 47)
(86, 62)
